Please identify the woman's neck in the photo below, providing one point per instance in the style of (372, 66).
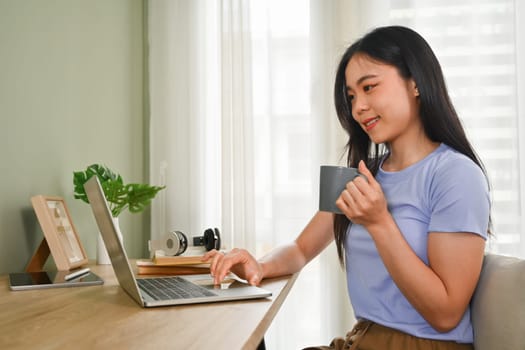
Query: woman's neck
(403, 156)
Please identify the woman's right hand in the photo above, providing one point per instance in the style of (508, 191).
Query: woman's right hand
(238, 261)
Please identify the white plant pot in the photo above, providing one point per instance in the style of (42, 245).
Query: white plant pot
(102, 252)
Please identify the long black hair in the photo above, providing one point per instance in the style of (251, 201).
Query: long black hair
(406, 50)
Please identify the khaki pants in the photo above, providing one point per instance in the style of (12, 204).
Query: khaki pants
(368, 335)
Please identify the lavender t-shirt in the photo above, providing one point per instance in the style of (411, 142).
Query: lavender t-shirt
(444, 192)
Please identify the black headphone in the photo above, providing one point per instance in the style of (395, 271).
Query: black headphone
(177, 242)
(210, 240)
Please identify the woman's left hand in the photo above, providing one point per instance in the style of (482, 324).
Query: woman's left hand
(363, 201)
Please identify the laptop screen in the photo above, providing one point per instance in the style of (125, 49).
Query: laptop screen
(114, 245)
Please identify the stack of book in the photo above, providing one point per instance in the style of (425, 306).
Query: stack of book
(172, 265)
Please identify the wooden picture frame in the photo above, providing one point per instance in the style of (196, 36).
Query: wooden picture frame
(60, 236)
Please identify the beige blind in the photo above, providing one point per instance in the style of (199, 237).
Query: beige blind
(475, 43)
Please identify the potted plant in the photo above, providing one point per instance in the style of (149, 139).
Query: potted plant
(134, 197)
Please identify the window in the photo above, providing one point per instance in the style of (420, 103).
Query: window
(475, 43)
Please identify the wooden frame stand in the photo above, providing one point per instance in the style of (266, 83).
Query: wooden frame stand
(60, 236)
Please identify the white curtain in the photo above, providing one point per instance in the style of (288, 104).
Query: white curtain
(241, 118)
(185, 115)
(520, 115)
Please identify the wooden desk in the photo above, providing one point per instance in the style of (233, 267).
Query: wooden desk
(105, 317)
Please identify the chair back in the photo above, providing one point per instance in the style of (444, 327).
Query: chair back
(498, 304)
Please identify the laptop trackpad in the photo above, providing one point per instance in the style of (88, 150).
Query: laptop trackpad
(207, 282)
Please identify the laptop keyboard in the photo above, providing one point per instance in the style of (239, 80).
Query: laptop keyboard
(167, 288)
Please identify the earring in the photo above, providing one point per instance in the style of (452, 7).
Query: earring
(416, 91)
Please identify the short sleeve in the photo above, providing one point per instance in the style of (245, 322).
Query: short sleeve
(459, 198)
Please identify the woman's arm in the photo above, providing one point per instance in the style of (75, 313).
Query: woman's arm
(441, 291)
(281, 261)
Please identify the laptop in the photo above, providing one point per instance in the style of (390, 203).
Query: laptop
(160, 291)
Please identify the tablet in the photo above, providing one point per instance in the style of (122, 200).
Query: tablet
(51, 279)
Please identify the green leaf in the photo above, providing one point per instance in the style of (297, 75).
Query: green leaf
(135, 197)
(140, 196)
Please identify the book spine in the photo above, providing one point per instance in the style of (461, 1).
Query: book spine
(171, 270)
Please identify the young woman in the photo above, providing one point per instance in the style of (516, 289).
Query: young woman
(412, 236)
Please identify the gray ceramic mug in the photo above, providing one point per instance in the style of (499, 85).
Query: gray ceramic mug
(332, 182)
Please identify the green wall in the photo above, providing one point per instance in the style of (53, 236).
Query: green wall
(71, 94)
